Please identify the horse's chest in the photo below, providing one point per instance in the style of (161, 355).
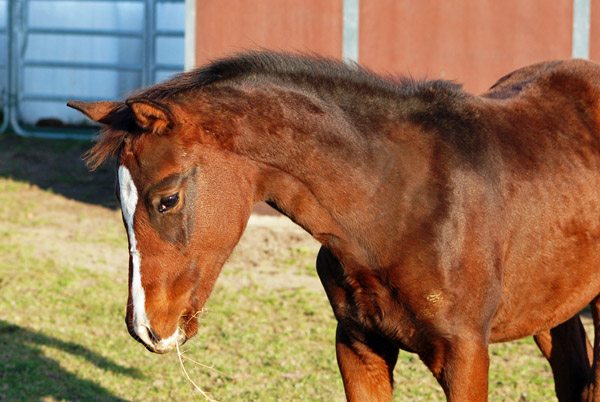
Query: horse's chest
(382, 310)
(398, 306)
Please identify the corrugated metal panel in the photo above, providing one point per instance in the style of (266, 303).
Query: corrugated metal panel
(190, 34)
(88, 50)
(3, 65)
(350, 36)
(581, 29)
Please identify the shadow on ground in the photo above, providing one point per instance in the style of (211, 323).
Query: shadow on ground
(56, 165)
(27, 375)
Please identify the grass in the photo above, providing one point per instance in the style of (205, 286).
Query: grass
(62, 335)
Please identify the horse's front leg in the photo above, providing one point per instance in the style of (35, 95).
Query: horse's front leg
(366, 366)
(569, 353)
(460, 364)
(366, 362)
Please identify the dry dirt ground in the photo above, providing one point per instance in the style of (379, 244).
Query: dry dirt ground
(63, 224)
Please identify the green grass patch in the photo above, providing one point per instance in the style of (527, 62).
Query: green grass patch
(64, 338)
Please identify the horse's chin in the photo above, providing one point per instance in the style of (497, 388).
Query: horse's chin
(157, 351)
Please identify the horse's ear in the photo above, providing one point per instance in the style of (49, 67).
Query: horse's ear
(100, 112)
(150, 114)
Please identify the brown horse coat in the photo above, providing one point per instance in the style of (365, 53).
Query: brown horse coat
(448, 220)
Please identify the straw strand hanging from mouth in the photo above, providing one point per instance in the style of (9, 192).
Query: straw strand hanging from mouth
(204, 394)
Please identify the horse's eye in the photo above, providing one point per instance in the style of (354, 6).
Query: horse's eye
(168, 202)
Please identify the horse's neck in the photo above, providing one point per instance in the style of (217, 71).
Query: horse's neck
(316, 167)
(331, 194)
(322, 208)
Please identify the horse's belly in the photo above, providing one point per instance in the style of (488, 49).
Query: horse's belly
(543, 296)
(551, 250)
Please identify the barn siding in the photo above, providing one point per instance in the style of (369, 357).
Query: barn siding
(471, 41)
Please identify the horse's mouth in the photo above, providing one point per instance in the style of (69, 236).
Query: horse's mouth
(162, 346)
(153, 343)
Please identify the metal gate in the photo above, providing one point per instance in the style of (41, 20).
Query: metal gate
(82, 49)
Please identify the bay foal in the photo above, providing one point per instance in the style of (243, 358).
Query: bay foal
(448, 220)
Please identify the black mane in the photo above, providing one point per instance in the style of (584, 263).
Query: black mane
(305, 70)
(367, 99)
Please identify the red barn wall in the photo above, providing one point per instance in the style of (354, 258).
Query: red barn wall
(595, 30)
(474, 42)
(224, 27)
(471, 41)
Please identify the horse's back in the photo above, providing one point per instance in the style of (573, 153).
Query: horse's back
(549, 75)
(546, 116)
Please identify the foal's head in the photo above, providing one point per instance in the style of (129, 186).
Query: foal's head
(184, 205)
(196, 152)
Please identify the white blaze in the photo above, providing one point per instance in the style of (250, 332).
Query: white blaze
(129, 198)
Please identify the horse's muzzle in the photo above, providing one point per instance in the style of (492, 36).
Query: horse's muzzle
(147, 337)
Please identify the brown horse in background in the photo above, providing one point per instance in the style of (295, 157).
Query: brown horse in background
(448, 220)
